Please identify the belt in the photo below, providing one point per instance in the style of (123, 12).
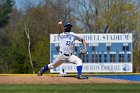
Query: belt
(66, 54)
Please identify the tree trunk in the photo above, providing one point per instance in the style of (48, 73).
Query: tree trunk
(29, 51)
(29, 45)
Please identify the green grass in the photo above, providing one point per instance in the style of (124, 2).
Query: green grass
(70, 88)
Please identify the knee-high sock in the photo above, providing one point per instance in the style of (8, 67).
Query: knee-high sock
(79, 70)
(44, 68)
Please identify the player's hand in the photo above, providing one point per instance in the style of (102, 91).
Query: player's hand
(60, 23)
(59, 26)
(83, 51)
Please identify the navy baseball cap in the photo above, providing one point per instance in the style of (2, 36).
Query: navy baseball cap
(67, 24)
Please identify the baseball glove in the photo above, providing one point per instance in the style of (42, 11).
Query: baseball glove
(83, 51)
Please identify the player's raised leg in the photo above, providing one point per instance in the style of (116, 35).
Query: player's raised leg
(57, 62)
(49, 66)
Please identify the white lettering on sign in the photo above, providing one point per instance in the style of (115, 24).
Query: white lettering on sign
(96, 67)
(98, 38)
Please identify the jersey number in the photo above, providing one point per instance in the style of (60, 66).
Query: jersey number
(68, 42)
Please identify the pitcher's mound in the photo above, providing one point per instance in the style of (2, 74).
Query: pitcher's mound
(55, 80)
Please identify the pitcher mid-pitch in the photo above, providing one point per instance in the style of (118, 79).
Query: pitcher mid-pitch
(67, 39)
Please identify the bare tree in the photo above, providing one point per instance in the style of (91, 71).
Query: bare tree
(57, 10)
(27, 31)
(85, 15)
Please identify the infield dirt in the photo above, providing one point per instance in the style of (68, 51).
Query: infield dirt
(56, 80)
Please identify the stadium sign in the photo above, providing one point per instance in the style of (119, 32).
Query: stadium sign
(106, 53)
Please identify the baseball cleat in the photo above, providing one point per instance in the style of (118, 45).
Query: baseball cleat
(82, 77)
(39, 73)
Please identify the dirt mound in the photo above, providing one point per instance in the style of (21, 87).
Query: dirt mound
(55, 80)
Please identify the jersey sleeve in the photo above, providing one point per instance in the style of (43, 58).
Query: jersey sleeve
(77, 37)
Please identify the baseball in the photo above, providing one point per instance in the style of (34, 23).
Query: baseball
(60, 22)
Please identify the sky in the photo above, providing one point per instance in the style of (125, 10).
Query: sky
(20, 3)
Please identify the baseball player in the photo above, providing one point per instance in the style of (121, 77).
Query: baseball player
(67, 39)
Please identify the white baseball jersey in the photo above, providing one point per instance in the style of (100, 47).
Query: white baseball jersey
(67, 41)
(67, 47)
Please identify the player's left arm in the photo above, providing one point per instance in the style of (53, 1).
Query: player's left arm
(84, 43)
(79, 38)
(83, 51)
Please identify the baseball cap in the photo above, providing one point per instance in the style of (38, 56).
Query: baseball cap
(67, 24)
